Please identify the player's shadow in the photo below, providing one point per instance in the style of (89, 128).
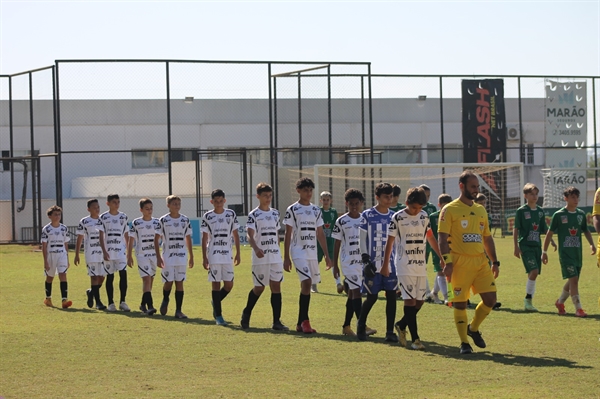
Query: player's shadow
(508, 359)
(551, 313)
(140, 315)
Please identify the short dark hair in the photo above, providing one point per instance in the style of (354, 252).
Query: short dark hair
(304, 183)
(145, 201)
(444, 199)
(466, 175)
(425, 187)
(397, 190)
(263, 187)
(571, 190)
(353, 193)
(530, 188)
(91, 201)
(416, 195)
(172, 198)
(53, 208)
(111, 197)
(383, 188)
(217, 193)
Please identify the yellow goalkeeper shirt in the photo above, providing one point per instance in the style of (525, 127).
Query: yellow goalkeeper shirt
(467, 225)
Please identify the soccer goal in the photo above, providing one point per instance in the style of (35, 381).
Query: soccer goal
(556, 180)
(502, 183)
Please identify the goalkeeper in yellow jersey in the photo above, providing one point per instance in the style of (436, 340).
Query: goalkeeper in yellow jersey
(466, 264)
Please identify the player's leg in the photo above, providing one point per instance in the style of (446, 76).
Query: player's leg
(568, 272)
(371, 286)
(574, 290)
(122, 267)
(179, 296)
(110, 269)
(49, 274)
(390, 285)
(484, 284)
(305, 274)
(215, 277)
(462, 279)
(96, 285)
(64, 289)
(260, 278)
(168, 277)
(276, 301)
(531, 258)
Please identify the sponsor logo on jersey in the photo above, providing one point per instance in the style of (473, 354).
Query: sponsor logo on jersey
(534, 226)
(527, 215)
(573, 231)
(471, 238)
(564, 219)
(579, 219)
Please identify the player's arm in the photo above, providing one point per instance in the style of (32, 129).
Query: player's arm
(190, 248)
(287, 240)
(433, 243)
(596, 223)
(517, 251)
(45, 255)
(445, 252)
(236, 241)
(389, 246)
(130, 241)
(205, 250)
(103, 246)
(323, 241)
(77, 249)
(67, 254)
(588, 236)
(250, 232)
(547, 240)
(490, 249)
(336, 257)
(159, 261)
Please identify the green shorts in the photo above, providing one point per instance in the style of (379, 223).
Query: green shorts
(436, 262)
(532, 258)
(570, 268)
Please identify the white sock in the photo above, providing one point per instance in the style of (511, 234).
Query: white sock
(441, 280)
(530, 288)
(338, 281)
(563, 296)
(576, 301)
(436, 287)
(427, 289)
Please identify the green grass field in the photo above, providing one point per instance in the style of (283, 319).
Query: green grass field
(81, 352)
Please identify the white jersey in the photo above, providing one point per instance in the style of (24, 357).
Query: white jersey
(115, 227)
(304, 220)
(90, 229)
(347, 230)
(143, 232)
(55, 237)
(219, 227)
(410, 234)
(265, 225)
(174, 232)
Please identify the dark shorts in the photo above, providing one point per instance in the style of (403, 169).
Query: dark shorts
(532, 258)
(380, 283)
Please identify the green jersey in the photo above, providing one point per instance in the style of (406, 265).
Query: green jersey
(397, 208)
(329, 217)
(568, 226)
(433, 221)
(530, 223)
(430, 208)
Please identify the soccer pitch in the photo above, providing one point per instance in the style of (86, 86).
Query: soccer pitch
(80, 352)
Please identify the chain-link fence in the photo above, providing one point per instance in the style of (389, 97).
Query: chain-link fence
(149, 128)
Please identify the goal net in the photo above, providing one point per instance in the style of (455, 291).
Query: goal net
(556, 180)
(501, 183)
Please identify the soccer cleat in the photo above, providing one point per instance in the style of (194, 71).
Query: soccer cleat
(90, 298)
(111, 308)
(370, 331)
(391, 337)
(123, 306)
(476, 337)
(436, 299)
(279, 326)
(66, 304)
(340, 288)
(100, 306)
(497, 305)
(314, 289)
(401, 335)
(560, 307)
(220, 321)
(417, 345)
(361, 333)
(180, 315)
(48, 302)
(164, 307)
(348, 331)
(305, 328)
(529, 306)
(151, 311)
(428, 297)
(143, 309)
(245, 321)
(580, 313)
(465, 348)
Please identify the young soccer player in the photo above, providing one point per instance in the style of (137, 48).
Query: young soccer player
(91, 232)
(116, 234)
(568, 223)
(303, 228)
(141, 235)
(218, 228)
(330, 215)
(267, 266)
(530, 222)
(55, 249)
(408, 231)
(440, 280)
(396, 205)
(175, 229)
(373, 235)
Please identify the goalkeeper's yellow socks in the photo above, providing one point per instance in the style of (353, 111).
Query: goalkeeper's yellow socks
(481, 312)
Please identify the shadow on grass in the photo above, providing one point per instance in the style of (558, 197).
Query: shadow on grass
(140, 315)
(507, 359)
(554, 313)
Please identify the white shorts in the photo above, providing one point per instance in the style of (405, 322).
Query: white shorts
(352, 270)
(413, 287)
(220, 272)
(113, 266)
(96, 269)
(173, 273)
(58, 263)
(262, 274)
(354, 281)
(308, 269)
(147, 266)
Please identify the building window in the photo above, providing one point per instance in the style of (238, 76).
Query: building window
(527, 154)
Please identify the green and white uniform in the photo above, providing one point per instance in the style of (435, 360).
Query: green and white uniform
(398, 207)
(433, 221)
(329, 217)
(530, 223)
(429, 208)
(568, 226)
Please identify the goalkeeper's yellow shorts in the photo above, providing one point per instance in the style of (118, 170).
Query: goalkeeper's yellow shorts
(471, 273)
